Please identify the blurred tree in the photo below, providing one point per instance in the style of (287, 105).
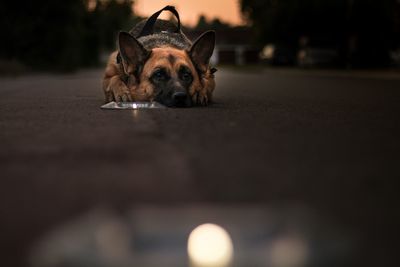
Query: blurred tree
(113, 16)
(215, 24)
(372, 31)
(202, 23)
(60, 35)
(44, 34)
(361, 30)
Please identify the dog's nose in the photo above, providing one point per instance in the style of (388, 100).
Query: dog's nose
(179, 98)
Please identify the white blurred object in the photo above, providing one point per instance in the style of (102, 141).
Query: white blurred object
(268, 52)
(210, 245)
(151, 236)
(132, 105)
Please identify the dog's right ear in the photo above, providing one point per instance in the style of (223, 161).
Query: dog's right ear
(133, 54)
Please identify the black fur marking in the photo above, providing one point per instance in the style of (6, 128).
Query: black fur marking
(171, 59)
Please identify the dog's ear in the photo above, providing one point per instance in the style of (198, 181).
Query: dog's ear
(202, 49)
(133, 54)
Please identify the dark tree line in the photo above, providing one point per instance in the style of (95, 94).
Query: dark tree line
(362, 31)
(60, 35)
(215, 24)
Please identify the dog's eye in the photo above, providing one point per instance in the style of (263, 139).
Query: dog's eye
(160, 75)
(185, 75)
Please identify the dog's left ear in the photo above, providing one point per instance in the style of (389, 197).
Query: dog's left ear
(202, 49)
(132, 52)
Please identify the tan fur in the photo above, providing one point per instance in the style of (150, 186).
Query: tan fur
(115, 89)
(208, 87)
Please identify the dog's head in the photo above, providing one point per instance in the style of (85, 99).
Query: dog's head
(166, 74)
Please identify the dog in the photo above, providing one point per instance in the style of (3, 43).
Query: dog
(155, 61)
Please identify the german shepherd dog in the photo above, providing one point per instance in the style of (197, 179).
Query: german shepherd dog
(155, 61)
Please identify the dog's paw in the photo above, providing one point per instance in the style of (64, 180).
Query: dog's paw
(200, 99)
(118, 91)
(121, 93)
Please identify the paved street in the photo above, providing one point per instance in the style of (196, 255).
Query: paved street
(327, 140)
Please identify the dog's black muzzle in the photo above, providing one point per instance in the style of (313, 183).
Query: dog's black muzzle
(180, 99)
(175, 99)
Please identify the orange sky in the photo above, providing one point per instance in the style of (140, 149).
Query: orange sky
(189, 10)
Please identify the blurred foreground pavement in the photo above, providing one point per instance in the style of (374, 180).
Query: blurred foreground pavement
(276, 140)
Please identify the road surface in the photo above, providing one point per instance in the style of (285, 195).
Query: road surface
(327, 140)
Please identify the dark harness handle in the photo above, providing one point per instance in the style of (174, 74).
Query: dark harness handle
(148, 28)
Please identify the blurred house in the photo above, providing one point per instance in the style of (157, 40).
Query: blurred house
(234, 46)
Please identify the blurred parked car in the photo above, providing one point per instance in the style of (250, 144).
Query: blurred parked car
(278, 55)
(317, 57)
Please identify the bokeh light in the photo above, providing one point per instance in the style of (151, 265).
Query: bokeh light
(210, 245)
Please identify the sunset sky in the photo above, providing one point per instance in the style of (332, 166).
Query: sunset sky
(189, 10)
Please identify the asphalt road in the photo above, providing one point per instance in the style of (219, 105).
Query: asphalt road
(327, 140)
